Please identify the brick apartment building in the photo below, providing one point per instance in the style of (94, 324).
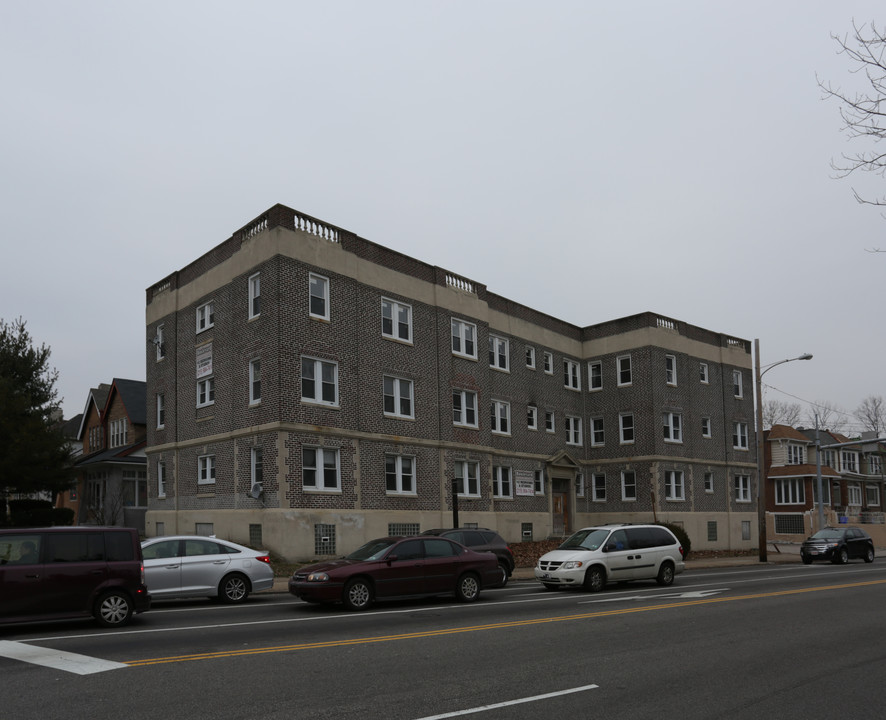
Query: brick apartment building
(309, 390)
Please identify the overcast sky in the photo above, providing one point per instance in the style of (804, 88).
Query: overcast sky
(591, 160)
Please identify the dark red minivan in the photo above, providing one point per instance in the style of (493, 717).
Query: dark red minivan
(69, 572)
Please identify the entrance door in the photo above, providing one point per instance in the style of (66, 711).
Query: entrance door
(561, 513)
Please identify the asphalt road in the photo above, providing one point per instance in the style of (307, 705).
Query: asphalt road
(746, 642)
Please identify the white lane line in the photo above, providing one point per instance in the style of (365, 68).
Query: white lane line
(57, 659)
(518, 701)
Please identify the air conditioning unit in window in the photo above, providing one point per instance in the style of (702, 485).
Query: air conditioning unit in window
(256, 490)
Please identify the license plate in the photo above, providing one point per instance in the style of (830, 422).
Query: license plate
(813, 552)
(545, 575)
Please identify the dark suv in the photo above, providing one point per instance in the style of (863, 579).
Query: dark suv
(838, 544)
(480, 540)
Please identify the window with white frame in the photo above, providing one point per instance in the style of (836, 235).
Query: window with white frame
(703, 373)
(875, 465)
(598, 487)
(135, 489)
(872, 495)
(548, 359)
(737, 383)
(319, 381)
(624, 370)
(598, 434)
(467, 478)
(530, 357)
(532, 417)
(853, 494)
(796, 454)
(118, 432)
(254, 295)
(549, 422)
(829, 458)
(674, 489)
(464, 408)
(161, 411)
(740, 436)
(742, 485)
(595, 375)
(501, 482)
(539, 482)
(464, 339)
(573, 430)
(160, 341)
(318, 296)
(206, 469)
(400, 474)
(256, 466)
(790, 491)
(320, 469)
(396, 320)
(709, 482)
(626, 428)
(571, 375)
(205, 316)
(255, 381)
(670, 370)
(205, 391)
(706, 427)
(672, 424)
(849, 460)
(398, 397)
(628, 485)
(579, 485)
(161, 479)
(500, 417)
(499, 349)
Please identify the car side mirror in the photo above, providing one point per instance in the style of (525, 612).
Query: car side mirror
(609, 547)
(391, 558)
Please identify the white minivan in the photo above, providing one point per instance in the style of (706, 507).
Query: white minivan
(594, 556)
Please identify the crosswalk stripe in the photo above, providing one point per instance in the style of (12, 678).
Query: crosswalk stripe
(57, 659)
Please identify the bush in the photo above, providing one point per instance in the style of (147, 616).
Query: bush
(682, 537)
(28, 512)
(63, 516)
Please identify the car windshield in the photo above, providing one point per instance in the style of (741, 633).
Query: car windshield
(372, 550)
(828, 534)
(589, 539)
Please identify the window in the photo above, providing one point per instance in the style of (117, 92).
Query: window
(467, 483)
(628, 485)
(826, 491)
(324, 539)
(790, 524)
(396, 320)
(872, 495)
(464, 336)
(320, 469)
(796, 454)
(205, 469)
(205, 317)
(595, 375)
(673, 485)
(743, 488)
(498, 353)
(255, 381)
(254, 295)
(736, 383)
(400, 474)
(709, 482)
(579, 485)
(532, 417)
(672, 424)
(573, 430)
(854, 493)
(319, 381)
(530, 357)
(398, 394)
(539, 482)
(790, 491)
(598, 487)
(318, 296)
(548, 363)
(256, 467)
(849, 461)
(161, 479)
(571, 375)
(626, 428)
(712, 531)
(670, 370)
(464, 408)
(703, 373)
(740, 436)
(118, 432)
(205, 392)
(706, 427)
(161, 410)
(549, 422)
(875, 465)
(135, 488)
(160, 342)
(598, 435)
(500, 421)
(501, 482)
(624, 370)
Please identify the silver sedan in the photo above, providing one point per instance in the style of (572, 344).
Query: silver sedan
(196, 566)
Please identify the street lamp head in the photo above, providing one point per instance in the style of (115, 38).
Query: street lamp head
(805, 356)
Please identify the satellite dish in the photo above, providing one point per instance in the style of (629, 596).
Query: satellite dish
(256, 490)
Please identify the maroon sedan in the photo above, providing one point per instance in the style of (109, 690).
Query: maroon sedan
(396, 567)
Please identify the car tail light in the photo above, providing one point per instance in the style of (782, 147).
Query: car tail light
(142, 566)
(682, 554)
(264, 559)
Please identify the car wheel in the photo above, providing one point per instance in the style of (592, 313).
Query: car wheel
(468, 588)
(503, 580)
(665, 574)
(841, 557)
(233, 589)
(113, 609)
(806, 559)
(869, 555)
(595, 579)
(357, 595)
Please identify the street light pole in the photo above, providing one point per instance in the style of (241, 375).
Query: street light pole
(761, 480)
